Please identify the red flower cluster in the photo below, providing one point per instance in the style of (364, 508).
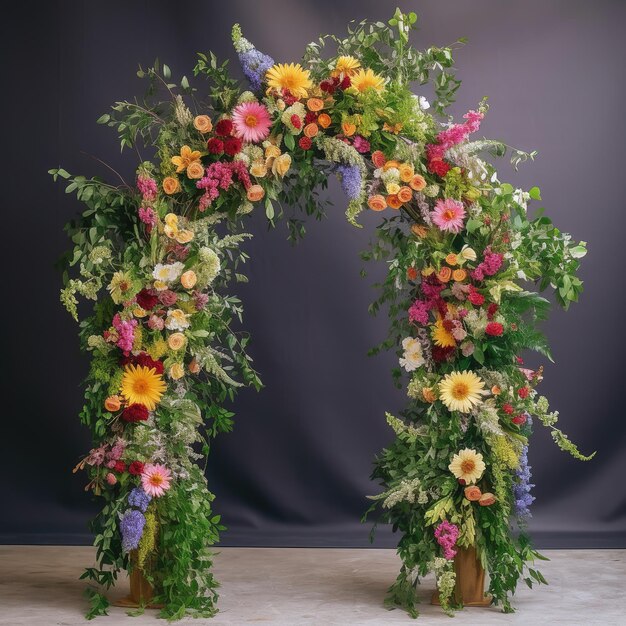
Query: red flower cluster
(289, 98)
(305, 143)
(495, 329)
(215, 145)
(475, 297)
(136, 468)
(143, 359)
(119, 466)
(147, 299)
(224, 127)
(232, 146)
(135, 413)
(523, 392)
(296, 122)
(331, 85)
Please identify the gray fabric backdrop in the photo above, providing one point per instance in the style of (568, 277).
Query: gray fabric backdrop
(295, 470)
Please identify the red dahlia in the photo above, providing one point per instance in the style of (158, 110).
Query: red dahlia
(475, 297)
(310, 117)
(438, 167)
(232, 146)
(136, 468)
(492, 309)
(135, 413)
(215, 145)
(495, 329)
(345, 83)
(224, 127)
(146, 299)
(305, 143)
(120, 466)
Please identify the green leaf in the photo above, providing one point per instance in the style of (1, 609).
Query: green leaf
(534, 193)
(289, 140)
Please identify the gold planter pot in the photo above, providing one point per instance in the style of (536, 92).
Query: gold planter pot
(469, 589)
(141, 591)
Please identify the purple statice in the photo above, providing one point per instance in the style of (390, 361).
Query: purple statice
(254, 63)
(131, 527)
(351, 180)
(522, 486)
(139, 499)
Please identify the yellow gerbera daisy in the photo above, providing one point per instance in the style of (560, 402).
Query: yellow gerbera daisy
(186, 158)
(290, 76)
(346, 65)
(460, 391)
(442, 337)
(467, 465)
(141, 385)
(366, 79)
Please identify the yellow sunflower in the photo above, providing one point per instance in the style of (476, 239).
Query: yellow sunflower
(467, 465)
(141, 385)
(460, 391)
(186, 158)
(442, 337)
(290, 76)
(346, 65)
(366, 79)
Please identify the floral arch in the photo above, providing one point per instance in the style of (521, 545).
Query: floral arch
(464, 259)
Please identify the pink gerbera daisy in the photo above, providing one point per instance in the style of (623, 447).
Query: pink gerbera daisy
(251, 121)
(155, 479)
(449, 215)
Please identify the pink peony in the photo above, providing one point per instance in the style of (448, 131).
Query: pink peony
(251, 121)
(155, 479)
(448, 215)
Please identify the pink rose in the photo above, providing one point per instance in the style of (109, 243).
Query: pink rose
(155, 323)
(168, 297)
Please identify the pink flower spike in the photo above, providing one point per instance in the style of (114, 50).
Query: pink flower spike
(155, 479)
(252, 121)
(448, 215)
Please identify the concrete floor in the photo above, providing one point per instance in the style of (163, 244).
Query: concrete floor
(39, 586)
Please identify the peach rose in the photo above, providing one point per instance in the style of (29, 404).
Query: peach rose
(203, 123)
(176, 341)
(113, 404)
(428, 394)
(419, 231)
(281, 165)
(444, 274)
(315, 104)
(495, 390)
(258, 169)
(378, 159)
(177, 371)
(171, 185)
(310, 130)
(194, 366)
(323, 119)
(472, 493)
(377, 203)
(195, 170)
(487, 499)
(255, 193)
(459, 275)
(389, 164)
(184, 236)
(393, 201)
(405, 194)
(451, 259)
(348, 129)
(417, 182)
(188, 279)
(406, 172)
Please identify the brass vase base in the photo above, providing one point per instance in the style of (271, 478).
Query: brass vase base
(141, 593)
(128, 602)
(469, 588)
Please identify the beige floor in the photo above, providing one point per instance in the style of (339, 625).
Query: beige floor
(39, 586)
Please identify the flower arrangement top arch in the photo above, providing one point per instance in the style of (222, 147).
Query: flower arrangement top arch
(156, 257)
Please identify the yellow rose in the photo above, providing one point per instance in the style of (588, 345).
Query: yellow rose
(171, 185)
(281, 165)
(258, 169)
(392, 188)
(272, 151)
(406, 172)
(188, 279)
(195, 170)
(203, 123)
(184, 236)
(171, 219)
(160, 285)
(177, 371)
(176, 341)
(139, 312)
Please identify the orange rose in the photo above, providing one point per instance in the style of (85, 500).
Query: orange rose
(255, 193)
(405, 194)
(203, 123)
(459, 275)
(113, 404)
(451, 259)
(377, 203)
(428, 394)
(195, 170)
(418, 182)
(472, 493)
(194, 366)
(348, 129)
(391, 164)
(444, 274)
(411, 273)
(487, 499)
(188, 279)
(323, 119)
(393, 201)
(378, 159)
(310, 130)
(419, 231)
(171, 185)
(406, 172)
(315, 104)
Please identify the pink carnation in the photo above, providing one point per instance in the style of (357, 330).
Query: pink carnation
(126, 333)
(147, 187)
(448, 215)
(418, 312)
(446, 535)
(147, 216)
(361, 144)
